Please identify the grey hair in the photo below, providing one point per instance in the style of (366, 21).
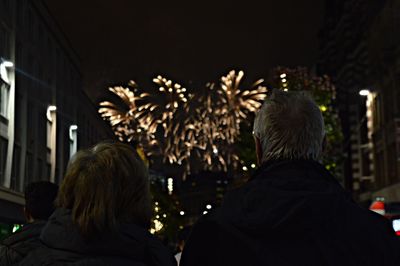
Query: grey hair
(289, 125)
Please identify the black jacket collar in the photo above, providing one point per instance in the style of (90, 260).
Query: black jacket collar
(299, 166)
(131, 241)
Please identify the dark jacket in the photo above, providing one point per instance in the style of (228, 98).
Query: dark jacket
(18, 245)
(63, 245)
(291, 213)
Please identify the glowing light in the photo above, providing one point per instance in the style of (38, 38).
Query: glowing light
(156, 209)
(72, 128)
(285, 89)
(253, 165)
(396, 225)
(158, 216)
(156, 203)
(205, 212)
(158, 225)
(283, 80)
(50, 109)
(283, 75)
(8, 64)
(170, 185)
(364, 92)
(244, 168)
(16, 227)
(164, 215)
(182, 213)
(208, 207)
(323, 108)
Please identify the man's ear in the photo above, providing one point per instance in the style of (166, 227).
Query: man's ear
(258, 150)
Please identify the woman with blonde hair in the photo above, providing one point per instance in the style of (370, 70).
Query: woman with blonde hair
(103, 215)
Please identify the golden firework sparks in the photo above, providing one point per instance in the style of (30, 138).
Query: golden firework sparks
(202, 126)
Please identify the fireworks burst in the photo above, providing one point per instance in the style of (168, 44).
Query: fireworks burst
(236, 104)
(171, 110)
(130, 119)
(187, 128)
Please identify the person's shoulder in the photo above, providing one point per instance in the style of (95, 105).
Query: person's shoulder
(26, 233)
(356, 213)
(369, 226)
(48, 256)
(18, 245)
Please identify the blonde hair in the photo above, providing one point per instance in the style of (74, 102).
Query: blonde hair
(289, 126)
(105, 186)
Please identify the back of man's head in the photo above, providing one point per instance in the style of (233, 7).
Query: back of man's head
(39, 199)
(289, 126)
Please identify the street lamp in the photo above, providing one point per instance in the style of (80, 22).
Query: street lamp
(7, 64)
(170, 185)
(364, 92)
(4, 64)
(72, 130)
(50, 109)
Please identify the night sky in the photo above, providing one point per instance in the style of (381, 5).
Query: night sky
(188, 42)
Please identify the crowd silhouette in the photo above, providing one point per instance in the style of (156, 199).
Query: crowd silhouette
(292, 211)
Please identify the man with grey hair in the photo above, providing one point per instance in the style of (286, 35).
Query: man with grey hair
(289, 126)
(292, 211)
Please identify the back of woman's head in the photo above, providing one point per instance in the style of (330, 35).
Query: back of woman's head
(105, 186)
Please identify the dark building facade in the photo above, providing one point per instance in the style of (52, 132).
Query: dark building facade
(384, 54)
(358, 50)
(45, 114)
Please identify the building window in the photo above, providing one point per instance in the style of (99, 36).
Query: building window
(3, 158)
(15, 181)
(4, 91)
(51, 139)
(28, 168)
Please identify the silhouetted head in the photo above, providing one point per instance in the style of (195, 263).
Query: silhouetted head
(289, 126)
(39, 200)
(105, 186)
